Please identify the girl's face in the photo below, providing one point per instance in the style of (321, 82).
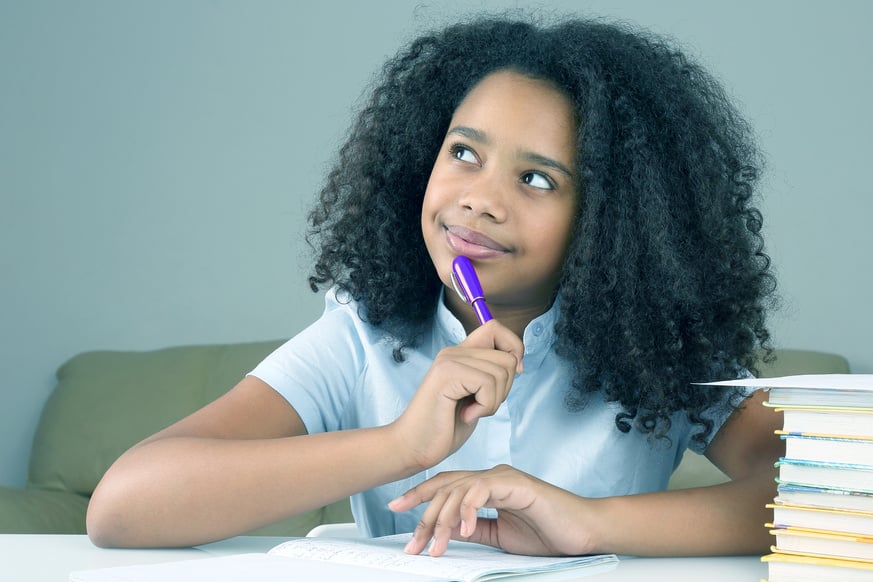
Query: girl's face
(503, 192)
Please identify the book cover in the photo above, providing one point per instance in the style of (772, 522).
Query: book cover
(822, 544)
(828, 382)
(806, 447)
(826, 474)
(840, 423)
(798, 568)
(822, 519)
(820, 396)
(826, 497)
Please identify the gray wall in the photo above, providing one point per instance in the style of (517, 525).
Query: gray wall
(156, 157)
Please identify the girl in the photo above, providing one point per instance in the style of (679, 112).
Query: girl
(601, 184)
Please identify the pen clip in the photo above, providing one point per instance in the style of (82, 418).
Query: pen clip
(468, 287)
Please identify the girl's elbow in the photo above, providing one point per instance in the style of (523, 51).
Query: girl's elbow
(102, 528)
(100, 531)
(109, 520)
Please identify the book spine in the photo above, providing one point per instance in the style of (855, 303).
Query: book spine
(824, 444)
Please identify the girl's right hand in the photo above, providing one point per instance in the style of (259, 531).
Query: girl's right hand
(465, 383)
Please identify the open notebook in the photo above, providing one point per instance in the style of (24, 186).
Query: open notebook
(361, 560)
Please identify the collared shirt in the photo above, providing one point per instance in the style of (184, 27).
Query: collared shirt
(340, 373)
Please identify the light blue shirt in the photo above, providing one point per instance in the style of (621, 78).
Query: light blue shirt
(340, 373)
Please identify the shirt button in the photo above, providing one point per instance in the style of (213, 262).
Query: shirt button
(538, 329)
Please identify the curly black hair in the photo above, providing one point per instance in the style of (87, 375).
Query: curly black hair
(666, 281)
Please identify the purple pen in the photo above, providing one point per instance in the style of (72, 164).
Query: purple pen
(467, 285)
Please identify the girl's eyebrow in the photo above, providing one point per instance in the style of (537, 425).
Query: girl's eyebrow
(481, 137)
(470, 133)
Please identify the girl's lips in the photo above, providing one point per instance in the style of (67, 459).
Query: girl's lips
(473, 244)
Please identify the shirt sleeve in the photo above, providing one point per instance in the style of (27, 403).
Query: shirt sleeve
(718, 414)
(317, 370)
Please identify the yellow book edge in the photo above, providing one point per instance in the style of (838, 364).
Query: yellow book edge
(782, 551)
(812, 408)
(792, 558)
(863, 561)
(822, 435)
(819, 509)
(818, 533)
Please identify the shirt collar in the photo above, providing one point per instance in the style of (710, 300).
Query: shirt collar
(539, 335)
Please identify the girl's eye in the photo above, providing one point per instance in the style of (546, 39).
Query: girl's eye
(463, 153)
(538, 180)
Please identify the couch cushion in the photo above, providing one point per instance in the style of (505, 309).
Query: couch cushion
(107, 401)
(36, 511)
(302, 524)
(794, 362)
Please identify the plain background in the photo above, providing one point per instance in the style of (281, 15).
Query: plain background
(157, 161)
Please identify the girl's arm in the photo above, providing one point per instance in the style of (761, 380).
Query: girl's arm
(236, 464)
(722, 519)
(245, 460)
(535, 517)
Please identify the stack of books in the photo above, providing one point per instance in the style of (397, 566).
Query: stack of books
(823, 511)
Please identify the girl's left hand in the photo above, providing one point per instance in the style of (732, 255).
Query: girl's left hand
(534, 517)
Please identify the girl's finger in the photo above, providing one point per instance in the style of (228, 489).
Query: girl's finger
(448, 519)
(424, 491)
(483, 383)
(452, 514)
(423, 532)
(476, 498)
(494, 336)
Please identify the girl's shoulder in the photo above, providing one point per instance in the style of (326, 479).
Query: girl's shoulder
(343, 329)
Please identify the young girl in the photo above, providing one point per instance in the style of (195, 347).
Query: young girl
(601, 184)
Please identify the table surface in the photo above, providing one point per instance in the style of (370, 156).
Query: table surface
(44, 558)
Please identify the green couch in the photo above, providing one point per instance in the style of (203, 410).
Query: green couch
(106, 401)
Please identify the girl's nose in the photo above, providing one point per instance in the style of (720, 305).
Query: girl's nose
(485, 197)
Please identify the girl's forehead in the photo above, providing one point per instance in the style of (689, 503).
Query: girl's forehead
(507, 101)
(507, 84)
(507, 88)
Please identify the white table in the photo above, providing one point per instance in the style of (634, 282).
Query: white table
(50, 558)
(44, 558)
